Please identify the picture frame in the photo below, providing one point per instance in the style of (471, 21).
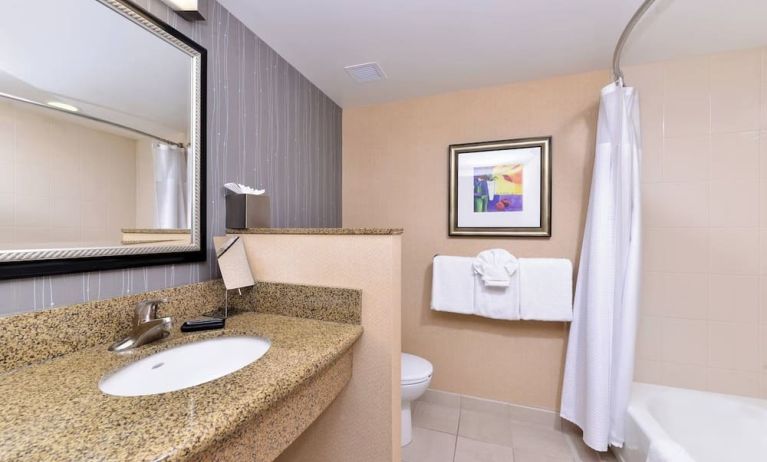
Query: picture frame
(500, 188)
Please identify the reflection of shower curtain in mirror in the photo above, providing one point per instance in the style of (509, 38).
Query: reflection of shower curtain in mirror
(170, 177)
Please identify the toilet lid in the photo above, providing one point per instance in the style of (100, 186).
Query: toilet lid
(415, 369)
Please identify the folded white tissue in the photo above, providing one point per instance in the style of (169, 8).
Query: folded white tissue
(238, 188)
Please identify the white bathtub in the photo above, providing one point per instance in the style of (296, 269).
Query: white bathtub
(701, 426)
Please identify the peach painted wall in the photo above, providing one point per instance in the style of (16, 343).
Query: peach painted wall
(395, 174)
(704, 310)
(363, 423)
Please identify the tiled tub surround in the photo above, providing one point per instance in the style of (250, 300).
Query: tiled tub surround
(453, 428)
(704, 308)
(55, 411)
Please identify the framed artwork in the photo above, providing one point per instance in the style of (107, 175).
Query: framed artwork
(501, 188)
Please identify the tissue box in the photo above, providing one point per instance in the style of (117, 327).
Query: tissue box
(247, 211)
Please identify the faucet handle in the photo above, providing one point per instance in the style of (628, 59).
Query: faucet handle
(146, 310)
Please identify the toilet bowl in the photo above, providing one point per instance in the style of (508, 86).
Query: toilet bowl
(415, 379)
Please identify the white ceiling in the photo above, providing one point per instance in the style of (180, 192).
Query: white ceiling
(433, 46)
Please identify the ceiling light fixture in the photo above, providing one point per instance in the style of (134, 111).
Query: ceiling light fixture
(191, 10)
(62, 106)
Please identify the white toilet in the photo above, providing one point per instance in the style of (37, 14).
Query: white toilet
(415, 379)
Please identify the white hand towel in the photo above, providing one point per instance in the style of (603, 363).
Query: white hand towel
(546, 289)
(452, 284)
(496, 267)
(497, 302)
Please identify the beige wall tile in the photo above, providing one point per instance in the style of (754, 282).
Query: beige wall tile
(6, 177)
(734, 346)
(31, 211)
(652, 151)
(6, 235)
(735, 156)
(686, 110)
(763, 250)
(649, 338)
(687, 158)
(676, 204)
(763, 299)
(763, 204)
(685, 341)
(648, 371)
(735, 91)
(734, 203)
(60, 176)
(7, 210)
(764, 89)
(685, 295)
(728, 381)
(734, 298)
(685, 376)
(763, 153)
(7, 139)
(715, 98)
(733, 251)
(653, 300)
(677, 249)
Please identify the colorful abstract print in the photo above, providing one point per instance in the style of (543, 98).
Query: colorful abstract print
(498, 188)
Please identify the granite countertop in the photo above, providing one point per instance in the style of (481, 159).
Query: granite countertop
(327, 231)
(55, 411)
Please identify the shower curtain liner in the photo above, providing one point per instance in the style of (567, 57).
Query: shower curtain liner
(600, 352)
(170, 176)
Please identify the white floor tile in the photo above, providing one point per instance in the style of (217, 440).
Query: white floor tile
(486, 426)
(468, 450)
(429, 446)
(540, 440)
(436, 417)
(524, 455)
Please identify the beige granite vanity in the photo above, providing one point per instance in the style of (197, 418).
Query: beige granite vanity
(52, 361)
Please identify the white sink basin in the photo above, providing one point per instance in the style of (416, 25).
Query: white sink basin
(185, 366)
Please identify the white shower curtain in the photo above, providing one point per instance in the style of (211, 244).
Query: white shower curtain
(600, 353)
(170, 179)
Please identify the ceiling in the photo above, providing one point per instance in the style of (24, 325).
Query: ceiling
(134, 78)
(434, 46)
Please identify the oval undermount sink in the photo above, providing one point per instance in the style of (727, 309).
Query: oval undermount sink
(185, 366)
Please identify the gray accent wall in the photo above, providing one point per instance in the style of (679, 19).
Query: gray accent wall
(268, 127)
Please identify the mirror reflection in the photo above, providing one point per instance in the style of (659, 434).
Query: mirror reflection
(94, 134)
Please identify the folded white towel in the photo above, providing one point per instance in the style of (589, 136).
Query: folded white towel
(452, 284)
(546, 289)
(495, 266)
(497, 302)
(496, 290)
(665, 450)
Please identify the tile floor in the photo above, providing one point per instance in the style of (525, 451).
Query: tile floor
(454, 428)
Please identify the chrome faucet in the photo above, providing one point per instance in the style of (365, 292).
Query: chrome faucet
(147, 327)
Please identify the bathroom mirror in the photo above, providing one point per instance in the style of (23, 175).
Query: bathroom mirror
(102, 135)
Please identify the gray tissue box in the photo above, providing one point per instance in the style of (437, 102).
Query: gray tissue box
(247, 211)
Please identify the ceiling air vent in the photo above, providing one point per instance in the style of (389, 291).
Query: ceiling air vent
(368, 72)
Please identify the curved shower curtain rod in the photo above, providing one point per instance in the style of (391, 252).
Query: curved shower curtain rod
(617, 72)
